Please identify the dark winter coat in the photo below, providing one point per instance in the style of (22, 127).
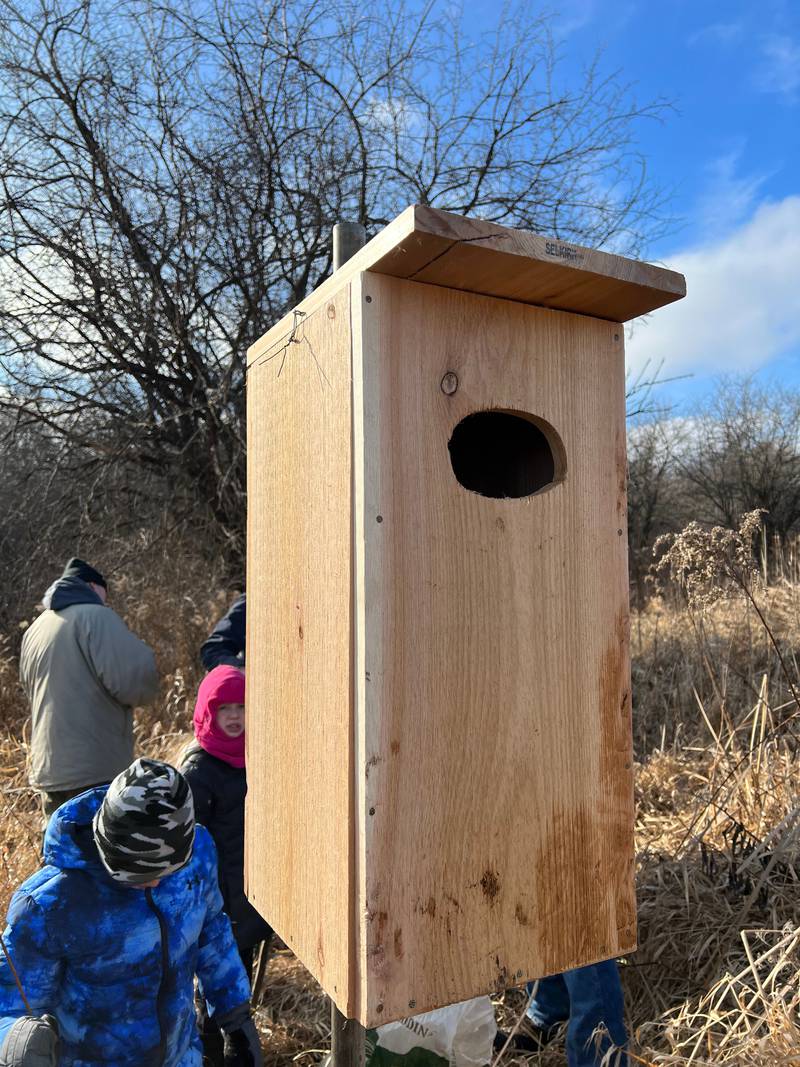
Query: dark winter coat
(219, 790)
(83, 672)
(115, 964)
(225, 643)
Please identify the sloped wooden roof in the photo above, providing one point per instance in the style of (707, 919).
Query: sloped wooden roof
(424, 244)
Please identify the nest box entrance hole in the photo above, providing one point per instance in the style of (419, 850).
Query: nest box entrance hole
(506, 454)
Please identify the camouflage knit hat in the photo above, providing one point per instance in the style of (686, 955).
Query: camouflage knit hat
(144, 829)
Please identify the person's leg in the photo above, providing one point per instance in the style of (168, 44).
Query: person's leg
(595, 999)
(51, 801)
(550, 1005)
(246, 955)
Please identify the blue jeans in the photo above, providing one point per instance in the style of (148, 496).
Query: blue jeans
(587, 996)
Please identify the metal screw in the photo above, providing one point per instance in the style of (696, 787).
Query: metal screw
(379, 518)
(449, 383)
(412, 1003)
(368, 299)
(372, 811)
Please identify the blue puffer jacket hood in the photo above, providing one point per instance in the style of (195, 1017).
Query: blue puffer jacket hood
(116, 964)
(68, 840)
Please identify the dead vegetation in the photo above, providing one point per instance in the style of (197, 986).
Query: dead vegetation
(716, 979)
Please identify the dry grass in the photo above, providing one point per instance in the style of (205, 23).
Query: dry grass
(716, 979)
(683, 659)
(295, 1014)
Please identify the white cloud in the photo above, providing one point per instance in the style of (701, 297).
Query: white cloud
(728, 197)
(779, 71)
(743, 304)
(719, 33)
(399, 113)
(575, 15)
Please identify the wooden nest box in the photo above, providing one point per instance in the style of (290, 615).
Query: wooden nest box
(438, 690)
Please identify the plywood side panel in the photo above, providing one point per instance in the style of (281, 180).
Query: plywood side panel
(369, 613)
(299, 727)
(495, 700)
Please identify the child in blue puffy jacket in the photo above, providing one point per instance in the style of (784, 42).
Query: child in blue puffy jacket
(107, 937)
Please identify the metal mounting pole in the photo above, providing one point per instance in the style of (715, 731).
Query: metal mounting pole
(348, 237)
(347, 1040)
(347, 1035)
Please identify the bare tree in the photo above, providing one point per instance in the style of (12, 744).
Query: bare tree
(58, 501)
(656, 494)
(742, 452)
(169, 182)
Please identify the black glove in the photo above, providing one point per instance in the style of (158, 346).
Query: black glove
(31, 1043)
(242, 1046)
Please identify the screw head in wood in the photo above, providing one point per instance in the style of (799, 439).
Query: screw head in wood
(449, 383)
(412, 1004)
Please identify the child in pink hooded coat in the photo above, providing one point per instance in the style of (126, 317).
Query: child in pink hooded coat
(214, 767)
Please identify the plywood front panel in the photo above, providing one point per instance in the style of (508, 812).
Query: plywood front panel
(496, 815)
(299, 728)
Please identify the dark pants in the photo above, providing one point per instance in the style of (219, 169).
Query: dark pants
(210, 1034)
(589, 997)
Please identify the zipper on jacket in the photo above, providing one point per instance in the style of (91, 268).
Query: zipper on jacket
(162, 987)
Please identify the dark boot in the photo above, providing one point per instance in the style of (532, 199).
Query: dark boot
(532, 1040)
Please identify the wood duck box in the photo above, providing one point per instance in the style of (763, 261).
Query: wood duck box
(438, 690)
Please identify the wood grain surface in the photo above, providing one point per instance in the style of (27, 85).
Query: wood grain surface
(438, 713)
(299, 824)
(495, 807)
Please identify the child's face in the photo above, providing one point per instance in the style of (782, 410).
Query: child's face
(230, 719)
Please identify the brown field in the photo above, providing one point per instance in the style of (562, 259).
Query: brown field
(716, 979)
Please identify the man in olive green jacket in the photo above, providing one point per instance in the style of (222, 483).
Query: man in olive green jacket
(83, 672)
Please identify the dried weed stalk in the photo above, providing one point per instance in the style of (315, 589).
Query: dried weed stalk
(717, 564)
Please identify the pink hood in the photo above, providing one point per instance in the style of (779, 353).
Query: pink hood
(223, 685)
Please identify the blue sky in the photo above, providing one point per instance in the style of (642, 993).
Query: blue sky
(730, 152)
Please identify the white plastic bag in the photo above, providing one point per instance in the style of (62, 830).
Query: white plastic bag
(461, 1035)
